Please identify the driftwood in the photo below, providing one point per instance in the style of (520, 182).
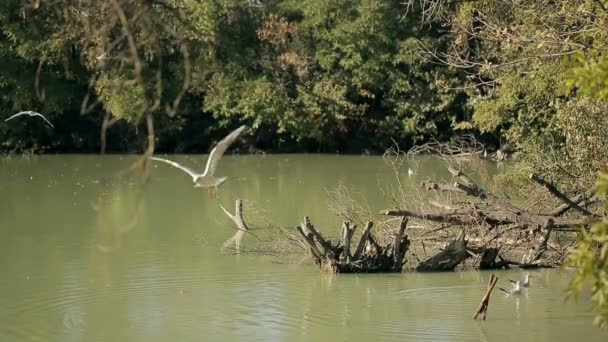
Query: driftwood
(450, 257)
(369, 256)
(489, 260)
(477, 207)
(540, 237)
(482, 309)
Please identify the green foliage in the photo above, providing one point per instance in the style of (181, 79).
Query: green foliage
(589, 74)
(515, 183)
(590, 260)
(539, 81)
(528, 62)
(123, 98)
(579, 128)
(338, 71)
(323, 75)
(523, 105)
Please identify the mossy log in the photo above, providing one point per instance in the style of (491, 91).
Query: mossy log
(369, 256)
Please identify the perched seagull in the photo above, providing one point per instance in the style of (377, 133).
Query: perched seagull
(525, 283)
(514, 291)
(30, 113)
(207, 179)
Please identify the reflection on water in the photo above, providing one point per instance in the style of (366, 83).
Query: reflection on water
(119, 206)
(85, 256)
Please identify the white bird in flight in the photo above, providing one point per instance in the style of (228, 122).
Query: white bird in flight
(30, 113)
(207, 178)
(514, 291)
(525, 283)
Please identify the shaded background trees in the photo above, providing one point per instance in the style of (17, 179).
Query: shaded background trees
(320, 76)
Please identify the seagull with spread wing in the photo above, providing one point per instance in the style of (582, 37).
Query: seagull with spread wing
(514, 291)
(31, 113)
(525, 283)
(207, 179)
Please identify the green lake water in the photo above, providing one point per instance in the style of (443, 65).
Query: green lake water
(85, 256)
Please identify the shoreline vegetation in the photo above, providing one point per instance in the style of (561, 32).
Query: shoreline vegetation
(459, 224)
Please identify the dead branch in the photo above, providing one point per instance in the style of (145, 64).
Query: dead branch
(369, 256)
(398, 245)
(237, 218)
(471, 206)
(555, 192)
(242, 228)
(482, 309)
(464, 146)
(428, 185)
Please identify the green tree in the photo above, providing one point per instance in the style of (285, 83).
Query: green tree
(336, 73)
(590, 259)
(538, 80)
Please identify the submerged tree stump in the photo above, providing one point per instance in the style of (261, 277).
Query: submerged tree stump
(242, 228)
(369, 256)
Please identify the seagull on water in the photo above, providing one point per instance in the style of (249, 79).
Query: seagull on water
(515, 290)
(525, 283)
(30, 113)
(207, 179)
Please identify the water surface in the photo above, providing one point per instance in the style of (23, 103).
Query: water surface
(85, 256)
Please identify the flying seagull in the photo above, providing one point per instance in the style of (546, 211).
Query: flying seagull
(30, 113)
(525, 283)
(207, 179)
(514, 291)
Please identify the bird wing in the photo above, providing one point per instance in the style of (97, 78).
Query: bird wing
(503, 290)
(513, 281)
(219, 149)
(43, 118)
(192, 173)
(16, 115)
(31, 113)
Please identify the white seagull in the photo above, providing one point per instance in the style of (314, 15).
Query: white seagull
(514, 291)
(410, 172)
(207, 179)
(30, 113)
(525, 283)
